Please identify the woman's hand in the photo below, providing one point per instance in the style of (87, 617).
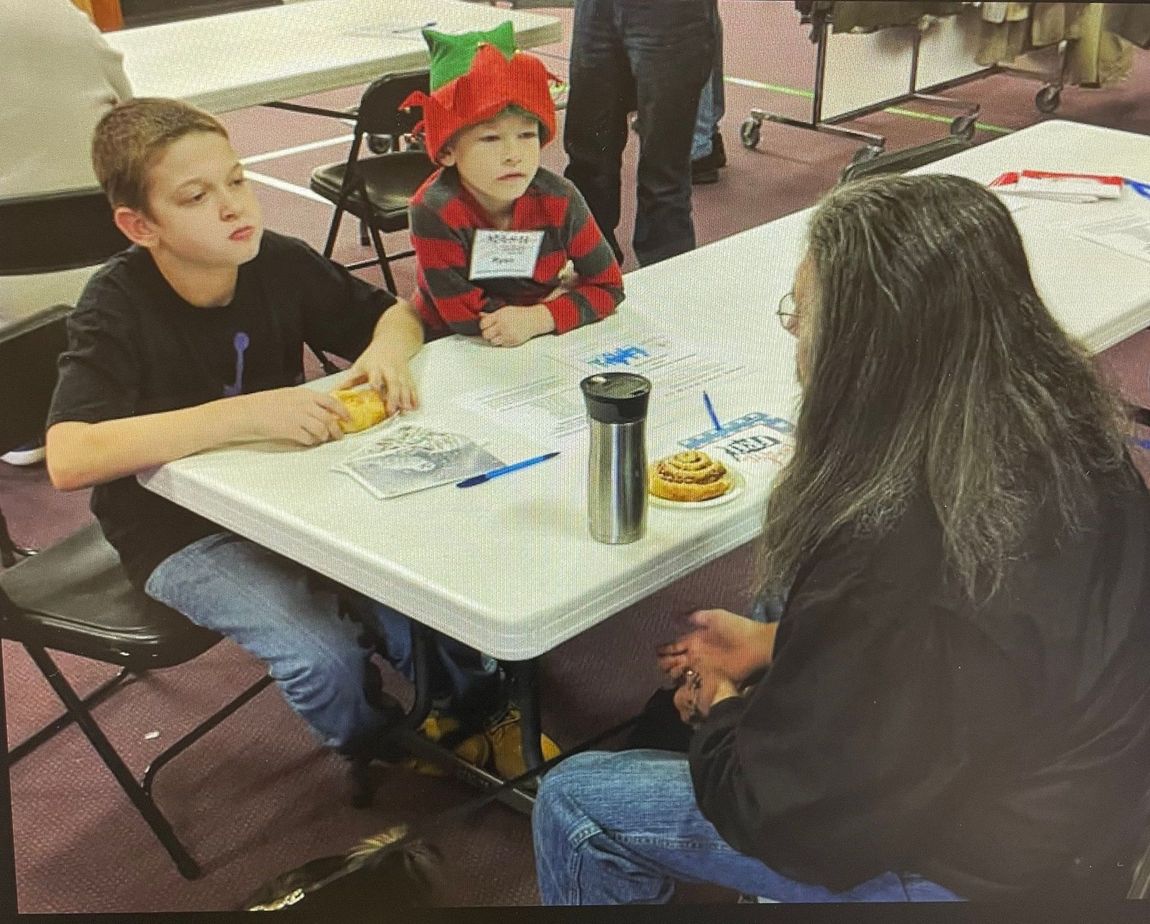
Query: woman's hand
(719, 641)
(699, 692)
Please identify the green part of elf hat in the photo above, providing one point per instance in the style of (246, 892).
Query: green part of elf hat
(451, 55)
(493, 77)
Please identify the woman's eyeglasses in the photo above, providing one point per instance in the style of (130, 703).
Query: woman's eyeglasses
(788, 313)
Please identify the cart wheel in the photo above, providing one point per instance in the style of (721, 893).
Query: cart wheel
(963, 127)
(751, 132)
(863, 154)
(1048, 98)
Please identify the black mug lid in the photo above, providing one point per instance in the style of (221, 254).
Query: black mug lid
(616, 397)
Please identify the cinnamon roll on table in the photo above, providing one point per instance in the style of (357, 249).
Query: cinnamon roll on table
(689, 476)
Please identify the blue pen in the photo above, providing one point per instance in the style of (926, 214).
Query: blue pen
(513, 467)
(711, 410)
(1142, 189)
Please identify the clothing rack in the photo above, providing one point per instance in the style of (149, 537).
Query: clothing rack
(962, 126)
(1049, 95)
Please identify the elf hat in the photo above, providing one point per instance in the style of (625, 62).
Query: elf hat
(474, 77)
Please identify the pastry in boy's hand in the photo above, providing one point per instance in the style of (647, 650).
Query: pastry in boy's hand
(365, 405)
(689, 476)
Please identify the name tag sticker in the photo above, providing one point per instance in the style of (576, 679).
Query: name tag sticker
(756, 437)
(504, 254)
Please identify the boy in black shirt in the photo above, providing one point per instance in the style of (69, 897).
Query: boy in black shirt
(190, 340)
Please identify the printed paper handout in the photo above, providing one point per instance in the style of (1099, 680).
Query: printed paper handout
(1128, 234)
(755, 439)
(551, 405)
(409, 458)
(674, 366)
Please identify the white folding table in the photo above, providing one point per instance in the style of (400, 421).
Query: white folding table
(1100, 295)
(269, 54)
(510, 567)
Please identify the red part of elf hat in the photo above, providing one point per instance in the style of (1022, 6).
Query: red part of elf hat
(492, 83)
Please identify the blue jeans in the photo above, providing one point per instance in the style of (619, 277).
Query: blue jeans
(290, 619)
(621, 828)
(653, 56)
(712, 101)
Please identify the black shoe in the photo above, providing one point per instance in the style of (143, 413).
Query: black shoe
(706, 169)
(718, 151)
(703, 177)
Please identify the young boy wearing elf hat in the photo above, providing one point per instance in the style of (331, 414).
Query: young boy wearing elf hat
(494, 232)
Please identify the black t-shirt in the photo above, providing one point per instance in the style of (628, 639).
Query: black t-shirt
(135, 347)
(1001, 751)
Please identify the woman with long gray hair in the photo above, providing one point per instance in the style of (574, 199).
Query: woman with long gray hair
(956, 701)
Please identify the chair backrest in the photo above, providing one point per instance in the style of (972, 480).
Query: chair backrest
(58, 231)
(379, 112)
(28, 353)
(905, 159)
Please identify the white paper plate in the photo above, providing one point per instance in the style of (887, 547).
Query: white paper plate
(736, 489)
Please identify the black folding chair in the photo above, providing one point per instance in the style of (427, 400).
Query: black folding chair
(75, 597)
(42, 239)
(59, 231)
(378, 188)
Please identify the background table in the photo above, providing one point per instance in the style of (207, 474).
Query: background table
(1099, 295)
(246, 58)
(510, 567)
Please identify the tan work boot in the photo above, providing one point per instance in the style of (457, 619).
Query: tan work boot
(505, 740)
(474, 749)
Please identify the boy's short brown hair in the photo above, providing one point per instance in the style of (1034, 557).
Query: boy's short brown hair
(132, 135)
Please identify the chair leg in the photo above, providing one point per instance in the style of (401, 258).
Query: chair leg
(97, 696)
(9, 550)
(198, 732)
(333, 229)
(143, 802)
(384, 264)
(364, 239)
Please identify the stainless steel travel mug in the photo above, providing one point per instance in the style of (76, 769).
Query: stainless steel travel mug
(617, 464)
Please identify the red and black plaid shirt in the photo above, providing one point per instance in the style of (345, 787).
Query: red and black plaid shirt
(444, 219)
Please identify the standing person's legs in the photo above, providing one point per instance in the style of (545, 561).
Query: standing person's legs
(718, 89)
(705, 122)
(280, 612)
(712, 101)
(622, 828)
(601, 93)
(670, 45)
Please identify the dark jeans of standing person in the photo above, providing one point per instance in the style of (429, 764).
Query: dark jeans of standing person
(653, 56)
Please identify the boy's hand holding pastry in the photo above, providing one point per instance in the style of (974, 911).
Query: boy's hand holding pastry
(295, 415)
(384, 366)
(513, 325)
